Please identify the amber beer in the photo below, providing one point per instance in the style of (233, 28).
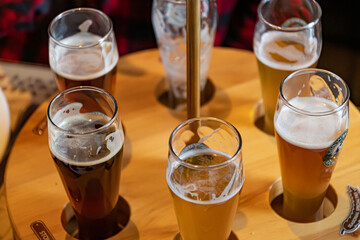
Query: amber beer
(85, 67)
(306, 147)
(279, 54)
(204, 202)
(83, 49)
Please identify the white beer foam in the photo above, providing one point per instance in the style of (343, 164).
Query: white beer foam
(67, 111)
(315, 132)
(65, 119)
(85, 63)
(182, 190)
(116, 144)
(267, 44)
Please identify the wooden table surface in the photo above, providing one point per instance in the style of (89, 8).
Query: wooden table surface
(34, 190)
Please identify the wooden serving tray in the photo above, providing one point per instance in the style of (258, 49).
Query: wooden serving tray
(34, 190)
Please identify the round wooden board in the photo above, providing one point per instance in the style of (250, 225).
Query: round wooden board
(34, 190)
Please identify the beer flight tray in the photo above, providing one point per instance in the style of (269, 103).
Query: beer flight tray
(37, 202)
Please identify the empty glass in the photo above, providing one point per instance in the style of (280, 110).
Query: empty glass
(169, 22)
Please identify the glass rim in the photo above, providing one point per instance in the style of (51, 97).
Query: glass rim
(184, 1)
(176, 1)
(201, 167)
(77, 89)
(290, 29)
(72, 11)
(314, 113)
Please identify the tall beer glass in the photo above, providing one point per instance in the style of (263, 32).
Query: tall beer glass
(82, 49)
(86, 143)
(287, 38)
(205, 175)
(169, 23)
(311, 122)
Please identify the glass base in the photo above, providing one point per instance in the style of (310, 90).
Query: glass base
(276, 201)
(165, 98)
(231, 237)
(260, 121)
(71, 226)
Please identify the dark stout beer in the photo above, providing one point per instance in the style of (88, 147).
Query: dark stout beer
(89, 167)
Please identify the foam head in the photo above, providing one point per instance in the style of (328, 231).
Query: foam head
(310, 132)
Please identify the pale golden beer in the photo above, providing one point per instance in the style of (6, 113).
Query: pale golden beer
(282, 49)
(202, 213)
(204, 181)
(309, 131)
(279, 54)
(82, 49)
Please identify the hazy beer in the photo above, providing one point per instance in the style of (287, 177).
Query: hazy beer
(82, 50)
(285, 40)
(279, 54)
(207, 206)
(205, 185)
(87, 147)
(309, 131)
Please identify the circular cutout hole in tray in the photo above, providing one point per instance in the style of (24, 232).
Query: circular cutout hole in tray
(163, 96)
(276, 199)
(70, 223)
(231, 237)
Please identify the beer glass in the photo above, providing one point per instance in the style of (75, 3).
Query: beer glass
(287, 38)
(205, 175)
(82, 49)
(169, 22)
(311, 123)
(86, 142)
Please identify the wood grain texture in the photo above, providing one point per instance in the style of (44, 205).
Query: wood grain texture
(35, 192)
